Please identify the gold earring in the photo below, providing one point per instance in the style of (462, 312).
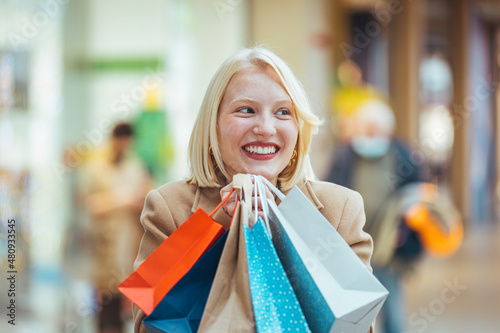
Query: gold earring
(293, 158)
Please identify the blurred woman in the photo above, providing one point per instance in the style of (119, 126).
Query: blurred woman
(116, 185)
(255, 118)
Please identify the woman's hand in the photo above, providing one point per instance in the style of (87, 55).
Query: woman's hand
(230, 204)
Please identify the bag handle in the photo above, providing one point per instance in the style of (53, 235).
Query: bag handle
(221, 203)
(273, 188)
(235, 208)
(242, 183)
(261, 193)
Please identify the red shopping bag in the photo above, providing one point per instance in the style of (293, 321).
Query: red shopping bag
(147, 286)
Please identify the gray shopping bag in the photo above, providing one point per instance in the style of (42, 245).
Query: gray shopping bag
(335, 290)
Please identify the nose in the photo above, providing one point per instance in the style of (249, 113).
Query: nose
(264, 126)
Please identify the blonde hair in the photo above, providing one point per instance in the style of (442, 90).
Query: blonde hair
(204, 153)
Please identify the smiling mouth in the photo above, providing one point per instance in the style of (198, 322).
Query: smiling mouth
(259, 150)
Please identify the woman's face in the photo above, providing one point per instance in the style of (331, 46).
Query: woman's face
(256, 127)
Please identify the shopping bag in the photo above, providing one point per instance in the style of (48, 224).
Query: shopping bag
(182, 307)
(275, 305)
(175, 256)
(431, 213)
(335, 290)
(274, 302)
(229, 304)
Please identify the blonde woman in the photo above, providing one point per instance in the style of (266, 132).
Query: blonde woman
(255, 118)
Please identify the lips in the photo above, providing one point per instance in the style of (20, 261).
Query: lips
(261, 150)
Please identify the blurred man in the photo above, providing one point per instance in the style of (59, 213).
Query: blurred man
(375, 164)
(116, 186)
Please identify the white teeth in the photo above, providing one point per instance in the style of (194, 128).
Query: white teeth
(260, 150)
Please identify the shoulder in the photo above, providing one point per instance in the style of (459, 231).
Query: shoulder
(177, 190)
(337, 203)
(328, 193)
(184, 196)
(401, 148)
(169, 205)
(178, 194)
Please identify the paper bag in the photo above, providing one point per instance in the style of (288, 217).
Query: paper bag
(229, 305)
(336, 291)
(147, 286)
(182, 307)
(274, 302)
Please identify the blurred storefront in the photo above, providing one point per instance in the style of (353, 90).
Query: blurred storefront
(428, 57)
(69, 70)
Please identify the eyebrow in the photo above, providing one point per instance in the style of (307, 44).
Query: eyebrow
(247, 99)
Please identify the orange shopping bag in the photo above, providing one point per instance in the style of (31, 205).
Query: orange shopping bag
(147, 286)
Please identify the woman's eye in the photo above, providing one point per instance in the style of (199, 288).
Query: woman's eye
(283, 112)
(246, 110)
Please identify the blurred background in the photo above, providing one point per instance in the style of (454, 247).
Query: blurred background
(72, 69)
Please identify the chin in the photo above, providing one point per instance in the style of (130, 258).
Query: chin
(265, 173)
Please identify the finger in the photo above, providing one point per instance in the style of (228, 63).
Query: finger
(225, 190)
(269, 194)
(261, 215)
(228, 187)
(259, 205)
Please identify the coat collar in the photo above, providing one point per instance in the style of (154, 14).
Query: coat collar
(212, 195)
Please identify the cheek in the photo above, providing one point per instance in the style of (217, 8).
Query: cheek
(235, 128)
(230, 135)
(291, 134)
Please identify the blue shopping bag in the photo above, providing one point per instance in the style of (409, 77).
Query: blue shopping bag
(182, 307)
(275, 305)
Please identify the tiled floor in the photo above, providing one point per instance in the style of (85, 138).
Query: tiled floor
(460, 294)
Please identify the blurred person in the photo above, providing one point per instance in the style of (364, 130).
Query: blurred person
(377, 165)
(350, 94)
(255, 118)
(116, 186)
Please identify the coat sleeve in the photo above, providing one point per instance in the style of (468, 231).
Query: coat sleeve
(351, 225)
(158, 223)
(350, 228)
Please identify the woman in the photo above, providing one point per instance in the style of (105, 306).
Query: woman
(255, 118)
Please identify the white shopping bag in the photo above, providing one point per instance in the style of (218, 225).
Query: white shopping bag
(335, 290)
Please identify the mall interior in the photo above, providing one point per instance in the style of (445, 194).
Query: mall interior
(72, 69)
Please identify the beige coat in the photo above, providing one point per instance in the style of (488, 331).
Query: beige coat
(171, 204)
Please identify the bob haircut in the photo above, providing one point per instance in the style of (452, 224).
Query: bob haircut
(204, 153)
